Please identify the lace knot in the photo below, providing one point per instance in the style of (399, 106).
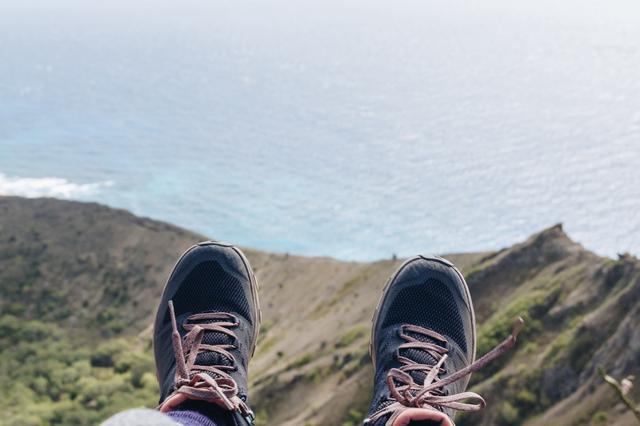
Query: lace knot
(406, 393)
(210, 383)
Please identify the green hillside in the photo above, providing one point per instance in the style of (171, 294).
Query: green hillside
(79, 283)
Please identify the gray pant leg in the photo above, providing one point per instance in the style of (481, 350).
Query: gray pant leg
(139, 417)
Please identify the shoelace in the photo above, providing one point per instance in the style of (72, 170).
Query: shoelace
(210, 383)
(406, 393)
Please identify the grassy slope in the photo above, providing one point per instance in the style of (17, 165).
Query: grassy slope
(98, 272)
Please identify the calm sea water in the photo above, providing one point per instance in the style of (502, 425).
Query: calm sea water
(354, 129)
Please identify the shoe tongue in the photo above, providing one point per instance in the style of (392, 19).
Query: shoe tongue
(420, 355)
(210, 358)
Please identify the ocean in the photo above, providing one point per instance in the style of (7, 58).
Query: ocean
(353, 129)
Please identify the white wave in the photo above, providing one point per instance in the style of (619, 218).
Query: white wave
(48, 187)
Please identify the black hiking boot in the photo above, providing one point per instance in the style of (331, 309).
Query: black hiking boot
(206, 330)
(423, 347)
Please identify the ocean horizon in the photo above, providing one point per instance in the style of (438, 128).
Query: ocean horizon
(353, 130)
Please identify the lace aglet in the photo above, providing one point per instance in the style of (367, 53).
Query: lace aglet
(429, 378)
(181, 367)
(518, 325)
(172, 314)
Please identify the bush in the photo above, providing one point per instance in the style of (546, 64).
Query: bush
(508, 414)
(49, 378)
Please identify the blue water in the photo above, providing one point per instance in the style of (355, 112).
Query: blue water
(352, 129)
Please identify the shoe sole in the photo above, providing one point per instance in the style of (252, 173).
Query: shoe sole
(385, 290)
(252, 279)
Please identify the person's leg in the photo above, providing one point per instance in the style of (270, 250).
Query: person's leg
(205, 332)
(197, 413)
(139, 417)
(423, 347)
(189, 414)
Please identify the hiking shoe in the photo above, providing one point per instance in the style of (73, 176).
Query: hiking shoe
(206, 329)
(423, 347)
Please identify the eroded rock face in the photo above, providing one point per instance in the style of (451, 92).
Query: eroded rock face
(559, 381)
(593, 321)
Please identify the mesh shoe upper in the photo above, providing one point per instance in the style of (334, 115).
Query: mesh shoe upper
(214, 297)
(425, 293)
